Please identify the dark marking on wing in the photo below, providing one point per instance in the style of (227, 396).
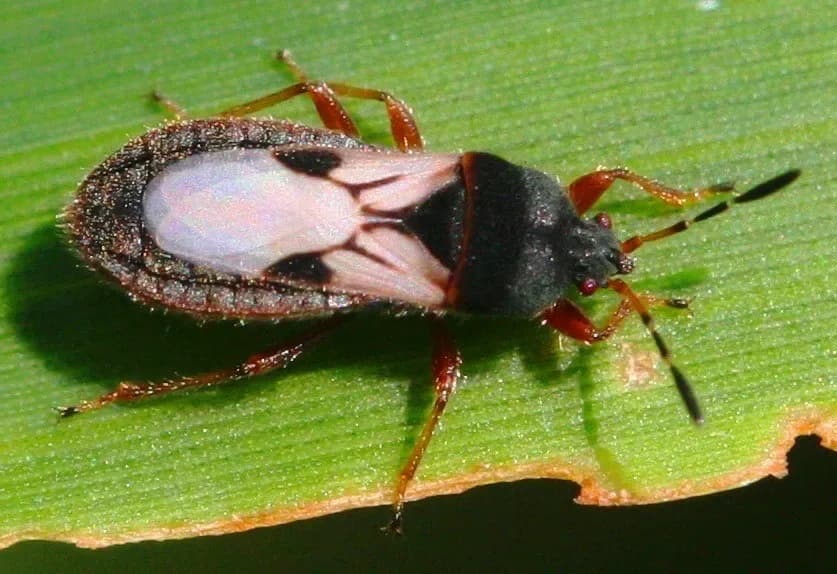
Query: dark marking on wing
(394, 225)
(352, 245)
(306, 267)
(390, 223)
(356, 188)
(317, 162)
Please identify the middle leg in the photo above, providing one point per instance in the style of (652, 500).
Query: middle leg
(334, 116)
(446, 363)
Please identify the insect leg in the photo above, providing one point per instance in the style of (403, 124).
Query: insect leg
(331, 111)
(446, 363)
(566, 317)
(171, 107)
(587, 189)
(403, 125)
(277, 357)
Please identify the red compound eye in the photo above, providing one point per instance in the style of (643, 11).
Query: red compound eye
(588, 287)
(603, 219)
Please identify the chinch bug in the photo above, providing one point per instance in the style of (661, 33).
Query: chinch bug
(239, 218)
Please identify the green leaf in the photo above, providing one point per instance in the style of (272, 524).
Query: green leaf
(688, 92)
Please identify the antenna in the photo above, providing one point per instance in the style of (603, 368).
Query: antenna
(761, 190)
(683, 386)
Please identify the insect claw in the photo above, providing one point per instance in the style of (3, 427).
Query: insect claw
(171, 107)
(394, 527)
(684, 303)
(65, 412)
(723, 187)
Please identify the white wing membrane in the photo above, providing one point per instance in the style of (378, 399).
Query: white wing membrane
(402, 252)
(356, 272)
(419, 176)
(241, 211)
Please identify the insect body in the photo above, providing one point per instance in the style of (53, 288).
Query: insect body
(233, 217)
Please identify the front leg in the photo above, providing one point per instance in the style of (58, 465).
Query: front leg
(587, 189)
(566, 317)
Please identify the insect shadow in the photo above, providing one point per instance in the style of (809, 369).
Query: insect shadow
(92, 334)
